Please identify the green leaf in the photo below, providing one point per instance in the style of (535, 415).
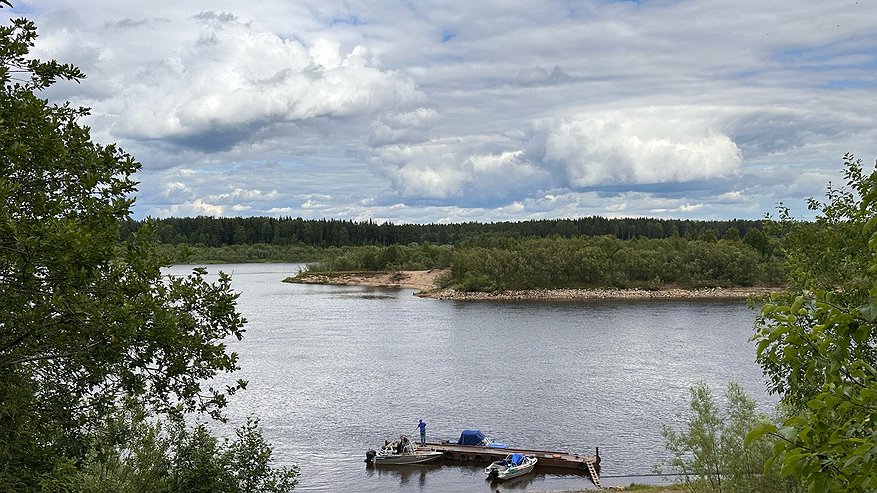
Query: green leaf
(758, 432)
(788, 432)
(869, 311)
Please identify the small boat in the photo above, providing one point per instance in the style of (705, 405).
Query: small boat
(407, 453)
(512, 466)
(477, 439)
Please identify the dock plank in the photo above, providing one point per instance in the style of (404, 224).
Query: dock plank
(548, 458)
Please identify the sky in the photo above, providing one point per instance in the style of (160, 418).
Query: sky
(442, 111)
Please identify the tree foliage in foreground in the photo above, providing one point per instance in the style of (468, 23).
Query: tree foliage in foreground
(817, 342)
(711, 453)
(140, 455)
(88, 325)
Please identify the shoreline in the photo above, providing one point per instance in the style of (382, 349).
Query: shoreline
(423, 282)
(600, 294)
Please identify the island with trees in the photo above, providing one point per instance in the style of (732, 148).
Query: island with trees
(586, 254)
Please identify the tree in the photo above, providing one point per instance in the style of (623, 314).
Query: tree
(88, 325)
(711, 454)
(816, 341)
(141, 455)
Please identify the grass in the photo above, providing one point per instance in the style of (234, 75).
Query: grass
(648, 488)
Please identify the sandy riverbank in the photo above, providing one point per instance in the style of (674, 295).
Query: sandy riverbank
(421, 280)
(424, 282)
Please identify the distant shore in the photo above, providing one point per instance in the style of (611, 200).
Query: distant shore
(424, 284)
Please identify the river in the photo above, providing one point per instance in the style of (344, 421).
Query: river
(335, 370)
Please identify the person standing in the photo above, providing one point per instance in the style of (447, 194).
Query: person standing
(422, 427)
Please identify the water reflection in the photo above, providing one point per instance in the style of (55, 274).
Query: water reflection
(404, 474)
(408, 475)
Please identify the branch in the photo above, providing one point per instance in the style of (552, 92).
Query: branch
(18, 340)
(45, 357)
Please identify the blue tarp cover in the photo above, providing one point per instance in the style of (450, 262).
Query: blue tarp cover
(517, 459)
(470, 437)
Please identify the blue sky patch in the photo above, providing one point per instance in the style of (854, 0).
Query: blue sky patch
(351, 20)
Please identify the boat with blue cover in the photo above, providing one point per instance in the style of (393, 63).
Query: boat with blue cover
(512, 466)
(476, 438)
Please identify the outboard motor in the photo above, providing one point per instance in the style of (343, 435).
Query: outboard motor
(370, 457)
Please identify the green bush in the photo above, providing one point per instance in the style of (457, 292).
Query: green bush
(138, 455)
(711, 454)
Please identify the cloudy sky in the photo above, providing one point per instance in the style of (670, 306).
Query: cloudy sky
(449, 111)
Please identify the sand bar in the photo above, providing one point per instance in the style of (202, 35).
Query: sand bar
(423, 281)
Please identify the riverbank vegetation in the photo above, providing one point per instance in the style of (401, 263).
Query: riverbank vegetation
(591, 252)
(817, 345)
(555, 254)
(817, 341)
(712, 455)
(103, 361)
(503, 263)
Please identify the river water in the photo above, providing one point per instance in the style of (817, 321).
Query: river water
(335, 370)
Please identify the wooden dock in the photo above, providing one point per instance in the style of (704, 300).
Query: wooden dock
(477, 454)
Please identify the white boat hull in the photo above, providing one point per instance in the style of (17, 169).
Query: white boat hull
(501, 470)
(418, 457)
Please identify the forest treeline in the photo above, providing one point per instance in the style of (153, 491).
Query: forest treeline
(497, 256)
(227, 231)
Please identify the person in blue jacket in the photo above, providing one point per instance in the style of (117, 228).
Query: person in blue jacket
(422, 427)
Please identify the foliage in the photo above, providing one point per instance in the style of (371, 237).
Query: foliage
(711, 454)
(390, 258)
(816, 342)
(498, 263)
(137, 454)
(255, 253)
(652, 487)
(87, 324)
(605, 261)
(495, 263)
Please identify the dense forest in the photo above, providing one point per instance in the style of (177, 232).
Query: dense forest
(226, 231)
(587, 252)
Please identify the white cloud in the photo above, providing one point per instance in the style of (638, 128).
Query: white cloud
(229, 79)
(472, 111)
(735, 196)
(666, 145)
(682, 208)
(175, 187)
(310, 204)
(443, 171)
(241, 194)
(196, 207)
(537, 75)
(410, 126)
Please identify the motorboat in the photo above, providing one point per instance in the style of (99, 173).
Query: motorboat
(477, 439)
(401, 453)
(512, 466)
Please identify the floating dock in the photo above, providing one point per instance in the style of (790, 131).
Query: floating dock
(478, 454)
